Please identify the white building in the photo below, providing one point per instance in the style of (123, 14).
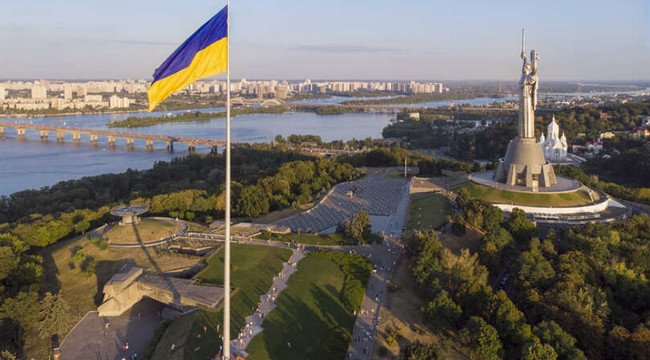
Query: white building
(118, 102)
(2, 93)
(554, 146)
(39, 92)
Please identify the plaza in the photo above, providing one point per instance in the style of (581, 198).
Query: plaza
(376, 194)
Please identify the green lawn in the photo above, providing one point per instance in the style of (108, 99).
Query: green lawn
(252, 271)
(478, 191)
(309, 315)
(429, 212)
(322, 239)
(145, 231)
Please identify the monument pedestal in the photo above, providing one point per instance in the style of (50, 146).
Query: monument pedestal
(525, 165)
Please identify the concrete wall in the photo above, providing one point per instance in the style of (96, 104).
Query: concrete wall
(588, 209)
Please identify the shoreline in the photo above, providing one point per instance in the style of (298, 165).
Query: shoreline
(10, 116)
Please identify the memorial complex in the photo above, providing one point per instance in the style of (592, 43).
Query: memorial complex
(524, 164)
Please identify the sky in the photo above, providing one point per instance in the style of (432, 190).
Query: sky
(583, 40)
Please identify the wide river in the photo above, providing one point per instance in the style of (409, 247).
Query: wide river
(32, 164)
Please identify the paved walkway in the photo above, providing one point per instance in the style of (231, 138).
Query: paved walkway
(267, 303)
(96, 337)
(384, 257)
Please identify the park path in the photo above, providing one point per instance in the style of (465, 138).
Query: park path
(384, 257)
(267, 303)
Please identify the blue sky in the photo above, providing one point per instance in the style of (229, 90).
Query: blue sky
(335, 39)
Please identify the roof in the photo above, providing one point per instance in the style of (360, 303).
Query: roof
(205, 295)
(125, 273)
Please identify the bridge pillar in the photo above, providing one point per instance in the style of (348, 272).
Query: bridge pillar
(93, 139)
(129, 143)
(43, 134)
(21, 133)
(2, 132)
(191, 147)
(60, 136)
(111, 141)
(170, 146)
(76, 137)
(214, 149)
(149, 144)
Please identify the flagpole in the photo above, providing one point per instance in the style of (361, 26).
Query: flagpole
(226, 260)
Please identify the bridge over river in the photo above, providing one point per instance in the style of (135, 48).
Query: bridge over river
(44, 131)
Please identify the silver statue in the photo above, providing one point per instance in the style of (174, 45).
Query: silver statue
(528, 85)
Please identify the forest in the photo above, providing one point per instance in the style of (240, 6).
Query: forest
(577, 294)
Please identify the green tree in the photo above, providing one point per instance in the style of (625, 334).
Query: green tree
(359, 226)
(82, 226)
(420, 351)
(252, 202)
(520, 227)
(442, 311)
(549, 332)
(54, 315)
(23, 311)
(482, 338)
(8, 261)
(537, 351)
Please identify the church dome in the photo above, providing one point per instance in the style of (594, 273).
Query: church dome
(553, 127)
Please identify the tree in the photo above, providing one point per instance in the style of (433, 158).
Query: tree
(549, 332)
(82, 226)
(442, 311)
(23, 311)
(252, 202)
(458, 225)
(520, 227)
(54, 315)
(420, 351)
(537, 351)
(8, 261)
(482, 338)
(359, 226)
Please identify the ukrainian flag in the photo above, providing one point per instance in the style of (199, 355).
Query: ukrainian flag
(203, 54)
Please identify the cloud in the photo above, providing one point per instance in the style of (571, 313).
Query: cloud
(342, 48)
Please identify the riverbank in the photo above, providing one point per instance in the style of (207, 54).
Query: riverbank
(20, 116)
(134, 122)
(415, 99)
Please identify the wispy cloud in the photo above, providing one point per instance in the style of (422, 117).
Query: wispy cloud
(342, 48)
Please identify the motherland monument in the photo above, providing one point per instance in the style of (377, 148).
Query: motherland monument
(524, 164)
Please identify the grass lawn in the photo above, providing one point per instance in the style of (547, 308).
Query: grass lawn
(145, 231)
(309, 315)
(321, 239)
(478, 191)
(252, 271)
(429, 212)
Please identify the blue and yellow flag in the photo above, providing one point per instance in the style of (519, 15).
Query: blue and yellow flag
(203, 54)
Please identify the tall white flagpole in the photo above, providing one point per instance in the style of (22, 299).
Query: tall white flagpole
(226, 260)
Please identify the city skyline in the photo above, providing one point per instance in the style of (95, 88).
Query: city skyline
(581, 41)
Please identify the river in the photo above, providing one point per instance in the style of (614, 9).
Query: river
(32, 164)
